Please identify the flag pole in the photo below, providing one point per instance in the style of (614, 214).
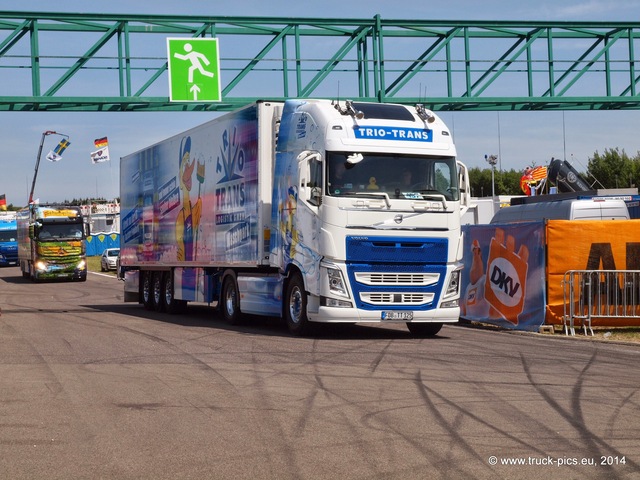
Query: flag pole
(35, 174)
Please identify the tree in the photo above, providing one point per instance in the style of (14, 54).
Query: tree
(507, 182)
(613, 169)
(480, 181)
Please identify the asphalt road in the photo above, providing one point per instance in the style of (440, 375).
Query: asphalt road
(94, 388)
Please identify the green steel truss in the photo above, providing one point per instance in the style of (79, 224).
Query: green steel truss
(106, 62)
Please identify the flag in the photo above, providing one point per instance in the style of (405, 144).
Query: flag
(56, 155)
(3, 202)
(532, 179)
(100, 156)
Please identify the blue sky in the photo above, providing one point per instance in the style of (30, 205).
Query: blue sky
(520, 138)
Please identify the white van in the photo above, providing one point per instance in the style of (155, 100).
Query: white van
(568, 209)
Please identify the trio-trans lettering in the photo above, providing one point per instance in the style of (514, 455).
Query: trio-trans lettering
(393, 133)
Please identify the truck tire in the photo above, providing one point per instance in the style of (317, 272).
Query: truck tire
(295, 306)
(158, 292)
(230, 301)
(171, 304)
(421, 330)
(147, 290)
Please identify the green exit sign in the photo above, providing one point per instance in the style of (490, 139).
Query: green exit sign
(194, 70)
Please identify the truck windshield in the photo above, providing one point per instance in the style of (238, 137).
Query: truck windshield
(55, 232)
(8, 235)
(400, 176)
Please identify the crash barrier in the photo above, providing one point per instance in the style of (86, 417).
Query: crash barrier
(588, 294)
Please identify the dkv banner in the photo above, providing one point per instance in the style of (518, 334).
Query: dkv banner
(503, 277)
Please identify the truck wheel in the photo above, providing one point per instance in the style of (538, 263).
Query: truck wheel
(230, 301)
(421, 330)
(147, 290)
(171, 304)
(295, 306)
(158, 292)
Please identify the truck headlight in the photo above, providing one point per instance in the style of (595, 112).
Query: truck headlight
(40, 265)
(336, 282)
(453, 288)
(337, 286)
(454, 284)
(82, 265)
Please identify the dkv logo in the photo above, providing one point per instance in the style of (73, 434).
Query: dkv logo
(506, 277)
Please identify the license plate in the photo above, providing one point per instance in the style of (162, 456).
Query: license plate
(396, 315)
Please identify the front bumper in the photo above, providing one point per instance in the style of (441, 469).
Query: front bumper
(355, 315)
(62, 271)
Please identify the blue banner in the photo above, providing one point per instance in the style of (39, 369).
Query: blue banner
(503, 280)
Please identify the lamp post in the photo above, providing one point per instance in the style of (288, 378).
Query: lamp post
(492, 160)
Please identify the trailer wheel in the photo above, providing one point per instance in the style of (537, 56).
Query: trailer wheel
(147, 290)
(230, 301)
(421, 330)
(295, 307)
(171, 304)
(158, 292)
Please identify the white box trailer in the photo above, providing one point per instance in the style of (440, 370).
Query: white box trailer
(248, 211)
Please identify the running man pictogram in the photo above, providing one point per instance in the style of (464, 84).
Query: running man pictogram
(195, 58)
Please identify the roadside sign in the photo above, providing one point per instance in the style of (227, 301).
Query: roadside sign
(194, 70)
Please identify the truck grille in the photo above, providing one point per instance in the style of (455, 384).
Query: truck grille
(389, 278)
(60, 251)
(393, 298)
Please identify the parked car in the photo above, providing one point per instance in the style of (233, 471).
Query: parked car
(109, 259)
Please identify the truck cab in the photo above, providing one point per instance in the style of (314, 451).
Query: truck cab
(368, 202)
(51, 243)
(8, 239)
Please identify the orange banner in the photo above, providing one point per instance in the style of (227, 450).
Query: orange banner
(588, 245)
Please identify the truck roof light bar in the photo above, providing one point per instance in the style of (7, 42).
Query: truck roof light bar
(357, 114)
(349, 109)
(424, 114)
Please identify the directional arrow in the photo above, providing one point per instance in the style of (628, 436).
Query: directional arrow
(195, 90)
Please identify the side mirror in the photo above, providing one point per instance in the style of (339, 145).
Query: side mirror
(316, 196)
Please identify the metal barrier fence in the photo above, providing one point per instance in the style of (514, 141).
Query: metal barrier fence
(599, 294)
